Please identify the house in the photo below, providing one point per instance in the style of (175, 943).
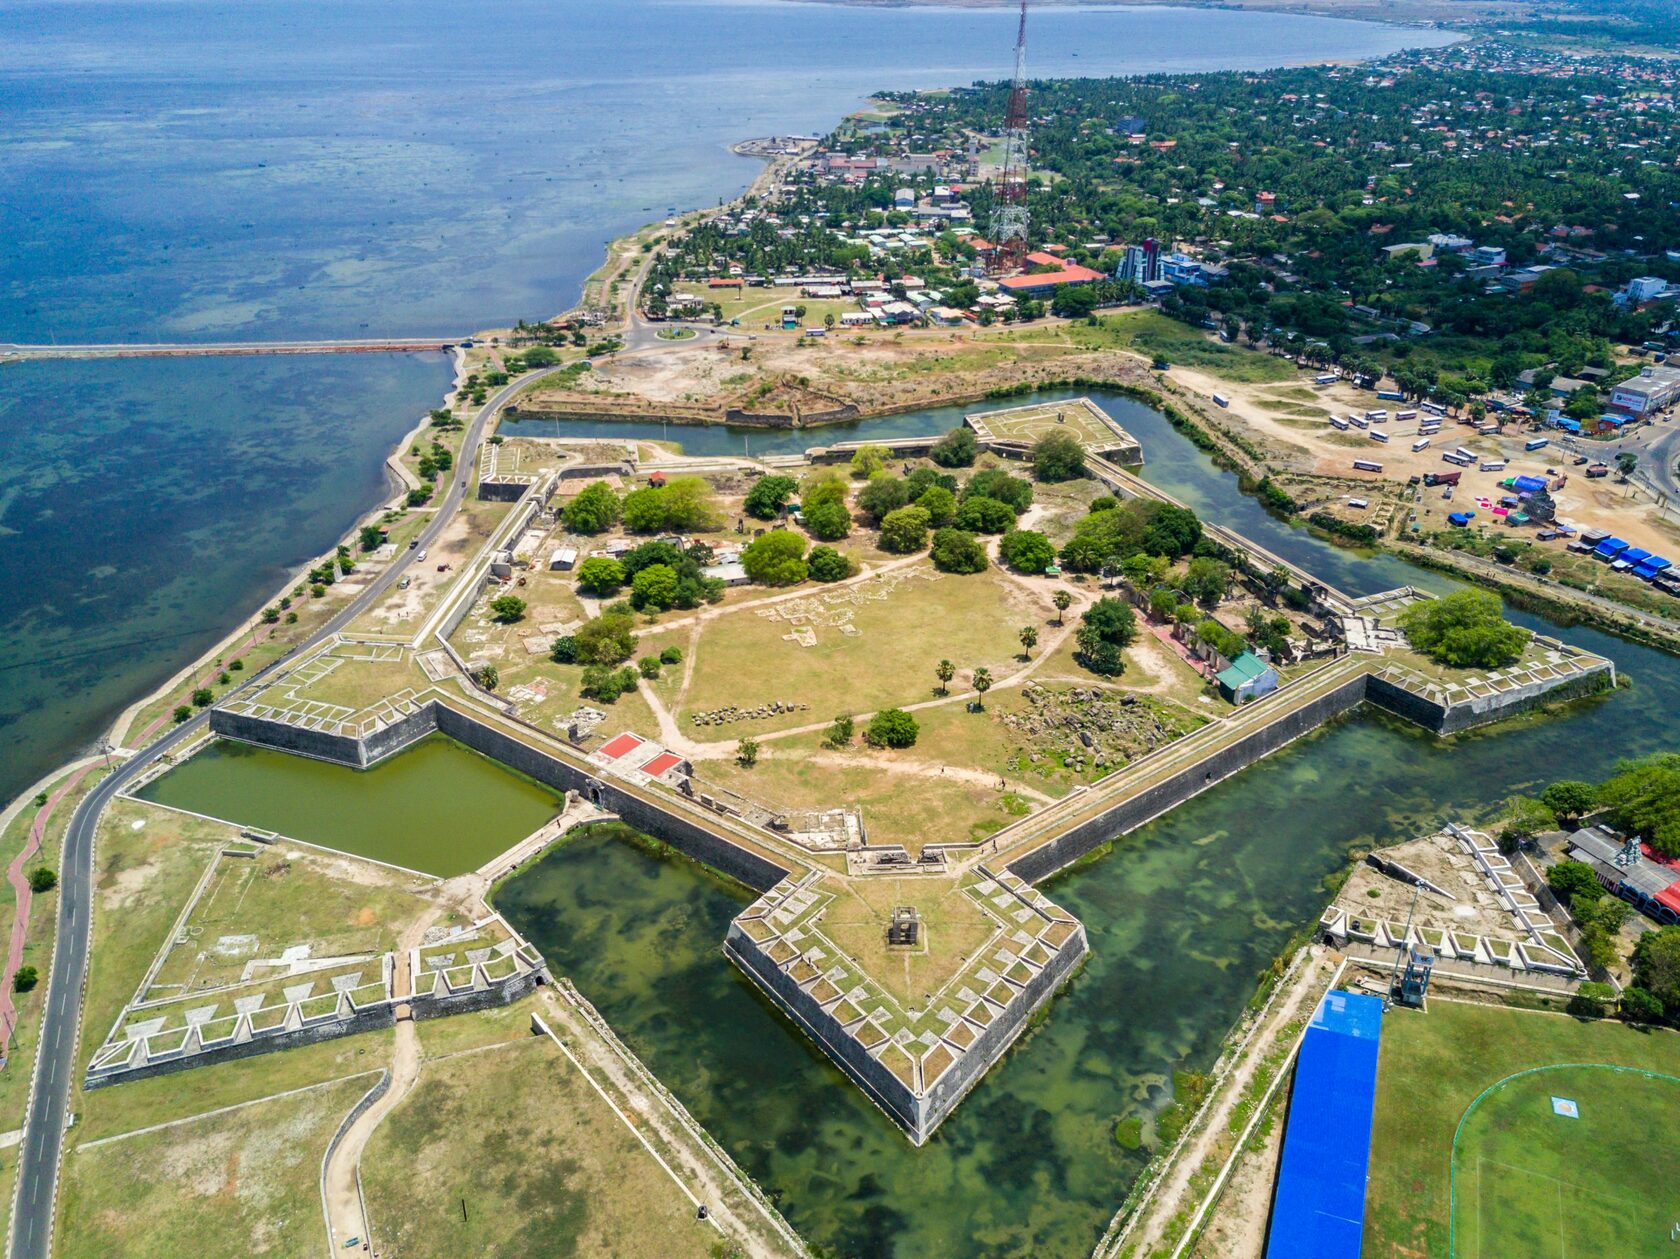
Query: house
(1246, 678)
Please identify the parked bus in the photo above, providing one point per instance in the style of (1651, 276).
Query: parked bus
(1328, 378)
(1377, 435)
(1463, 461)
(1376, 417)
(1537, 443)
(1434, 408)
(1405, 415)
(1422, 443)
(1220, 400)
(1365, 465)
(1493, 465)
(1391, 395)
(1358, 421)
(1338, 422)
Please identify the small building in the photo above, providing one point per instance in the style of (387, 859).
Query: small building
(563, 560)
(1246, 678)
(1630, 870)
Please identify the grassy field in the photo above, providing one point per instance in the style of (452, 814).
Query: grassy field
(510, 1151)
(1435, 1065)
(952, 929)
(1149, 332)
(1532, 1182)
(245, 1182)
(745, 659)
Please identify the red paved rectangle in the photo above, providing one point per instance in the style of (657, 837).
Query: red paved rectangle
(624, 743)
(659, 764)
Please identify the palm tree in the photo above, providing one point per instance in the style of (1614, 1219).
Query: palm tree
(1063, 600)
(1029, 640)
(982, 684)
(946, 671)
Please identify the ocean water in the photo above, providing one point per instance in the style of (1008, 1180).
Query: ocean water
(147, 506)
(195, 170)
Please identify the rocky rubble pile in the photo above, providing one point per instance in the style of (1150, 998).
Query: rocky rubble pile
(723, 716)
(1089, 727)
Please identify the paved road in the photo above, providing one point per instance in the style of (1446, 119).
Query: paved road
(55, 1065)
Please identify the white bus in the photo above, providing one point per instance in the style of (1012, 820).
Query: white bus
(1366, 465)
(1377, 435)
(1421, 444)
(1220, 400)
(1376, 417)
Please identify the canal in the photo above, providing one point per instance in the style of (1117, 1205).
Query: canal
(1183, 917)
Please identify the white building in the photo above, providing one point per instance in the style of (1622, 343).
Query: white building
(1652, 390)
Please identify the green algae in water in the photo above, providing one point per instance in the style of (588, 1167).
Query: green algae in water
(438, 807)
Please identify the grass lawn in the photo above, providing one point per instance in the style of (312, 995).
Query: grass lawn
(539, 1161)
(1434, 1065)
(254, 908)
(746, 659)
(1532, 1182)
(952, 930)
(246, 1182)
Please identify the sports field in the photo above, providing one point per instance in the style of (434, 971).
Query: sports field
(1573, 1160)
(1521, 1180)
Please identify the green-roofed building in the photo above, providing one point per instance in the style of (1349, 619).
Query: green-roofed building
(1247, 677)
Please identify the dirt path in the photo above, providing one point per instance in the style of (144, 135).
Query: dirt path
(1213, 1136)
(665, 1128)
(345, 1217)
(926, 769)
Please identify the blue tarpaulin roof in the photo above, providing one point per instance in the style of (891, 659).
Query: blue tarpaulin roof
(1319, 1209)
(1636, 555)
(1528, 484)
(1609, 547)
(1570, 426)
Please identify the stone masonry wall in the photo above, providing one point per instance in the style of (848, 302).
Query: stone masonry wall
(515, 987)
(1127, 815)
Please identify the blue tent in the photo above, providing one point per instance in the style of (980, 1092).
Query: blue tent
(1460, 519)
(1528, 484)
(1635, 555)
(1610, 548)
(1318, 1211)
(1648, 570)
(1569, 425)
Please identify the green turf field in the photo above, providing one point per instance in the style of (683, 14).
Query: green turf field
(1529, 1181)
(1435, 1065)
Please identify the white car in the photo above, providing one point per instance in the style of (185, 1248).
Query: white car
(422, 555)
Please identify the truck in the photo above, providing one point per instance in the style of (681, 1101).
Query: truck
(1598, 470)
(1441, 478)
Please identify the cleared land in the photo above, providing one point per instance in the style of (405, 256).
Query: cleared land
(1152, 333)
(511, 1152)
(1434, 1065)
(871, 646)
(1534, 1182)
(244, 1182)
(952, 928)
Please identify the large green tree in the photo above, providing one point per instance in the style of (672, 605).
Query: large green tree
(1465, 630)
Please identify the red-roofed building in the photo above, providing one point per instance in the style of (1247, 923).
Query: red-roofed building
(1047, 281)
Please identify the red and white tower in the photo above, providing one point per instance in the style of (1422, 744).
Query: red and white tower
(1009, 215)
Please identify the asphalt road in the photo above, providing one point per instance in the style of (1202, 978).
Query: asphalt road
(42, 1146)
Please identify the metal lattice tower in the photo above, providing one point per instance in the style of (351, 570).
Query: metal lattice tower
(1009, 217)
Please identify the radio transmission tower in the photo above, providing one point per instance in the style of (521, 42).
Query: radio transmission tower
(1009, 217)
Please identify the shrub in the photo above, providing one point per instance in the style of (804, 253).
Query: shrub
(892, 728)
(904, 531)
(776, 559)
(827, 564)
(955, 551)
(1027, 551)
(507, 609)
(884, 493)
(41, 879)
(939, 503)
(1058, 457)
(985, 515)
(649, 667)
(957, 449)
(607, 640)
(564, 651)
(768, 496)
(671, 655)
(1464, 630)
(596, 508)
(182, 713)
(840, 733)
(600, 575)
(998, 484)
(25, 978)
(203, 697)
(654, 588)
(828, 521)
